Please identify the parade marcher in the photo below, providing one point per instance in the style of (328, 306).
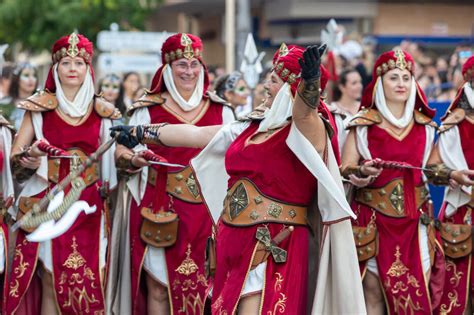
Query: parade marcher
(394, 238)
(129, 88)
(110, 87)
(271, 246)
(6, 200)
(233, 88)
(66, 274)
(453, 160)
(171, 278)
(24, 84)
(346, 95)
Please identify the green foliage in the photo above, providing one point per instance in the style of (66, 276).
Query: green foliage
(37, 24)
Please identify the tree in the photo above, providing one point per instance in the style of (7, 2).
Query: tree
(35, 25)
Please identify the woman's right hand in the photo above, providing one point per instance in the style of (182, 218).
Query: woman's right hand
(138, 161)
(32, 159)
(361, 182)
(463, 177)
(368, 168)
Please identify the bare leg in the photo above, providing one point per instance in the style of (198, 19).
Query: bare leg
(250, 305)
(48, 300)
(158, 302)
(373, 294)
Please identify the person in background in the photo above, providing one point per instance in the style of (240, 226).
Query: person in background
(234, 90)
(131, 85)
(5, 79)
(109, 86)
(451, 164)
(346, 94)
(24, 83)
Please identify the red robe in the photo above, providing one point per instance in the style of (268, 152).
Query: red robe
(279, 174)
(187, 292)
(459, 278)
(78, 279)
(399, 259)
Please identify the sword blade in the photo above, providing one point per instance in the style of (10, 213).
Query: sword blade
(166, 164)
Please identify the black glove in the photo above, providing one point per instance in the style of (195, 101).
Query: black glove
(311, 61)
(129, 136)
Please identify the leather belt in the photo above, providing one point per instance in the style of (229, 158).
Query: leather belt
(389, 200)
(90, 175)
(245, 205)
(181, 185)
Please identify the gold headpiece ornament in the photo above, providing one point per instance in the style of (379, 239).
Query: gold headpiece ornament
(188, 46)
(283, 51)
(72, 50)
(401, 63)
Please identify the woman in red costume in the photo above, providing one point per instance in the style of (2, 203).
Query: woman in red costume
(172, 278)
(6, 201)
(394, 124)
(65, 274)
(266, 171)
(451, 163)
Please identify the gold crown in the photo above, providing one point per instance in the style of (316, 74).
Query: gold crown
(72, 50)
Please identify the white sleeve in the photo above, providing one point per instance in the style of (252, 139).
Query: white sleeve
(209, 167)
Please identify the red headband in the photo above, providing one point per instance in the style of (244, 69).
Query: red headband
(74, 45)
(388, 61)
(468, 69)
(175, 47)
(286, 66)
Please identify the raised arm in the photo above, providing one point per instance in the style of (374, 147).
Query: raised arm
(305, 113)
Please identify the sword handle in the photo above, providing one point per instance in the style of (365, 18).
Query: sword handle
(282, 235)
(150, 156)
(51, 150)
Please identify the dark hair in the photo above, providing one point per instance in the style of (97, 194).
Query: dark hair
(336, 92)
(7, 70)
(120, 104)
(227, 83)
(14, 90)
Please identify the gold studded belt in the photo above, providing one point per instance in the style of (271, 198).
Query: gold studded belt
(389, 200)
(90, 175)
(245, 205)
(181, 185)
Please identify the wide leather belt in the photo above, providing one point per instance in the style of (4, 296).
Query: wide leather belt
(389, 199)
(245, 205)
(90, 175)
(181, 185)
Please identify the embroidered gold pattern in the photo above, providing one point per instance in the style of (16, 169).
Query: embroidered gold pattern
(453, 302)
(279, 306)
(398, 268)
(14, 289)
(456, 277)
(405, 305)
(75, 259)
(192, 304)
(20, 270)
(77, 298)
(188, 266)
(217, 306)
(79, 301)
(188, 49)
(278, 281)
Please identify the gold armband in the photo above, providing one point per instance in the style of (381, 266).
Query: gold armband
(151, 133)
(438, 174)
(355, 170)
(309, 92)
